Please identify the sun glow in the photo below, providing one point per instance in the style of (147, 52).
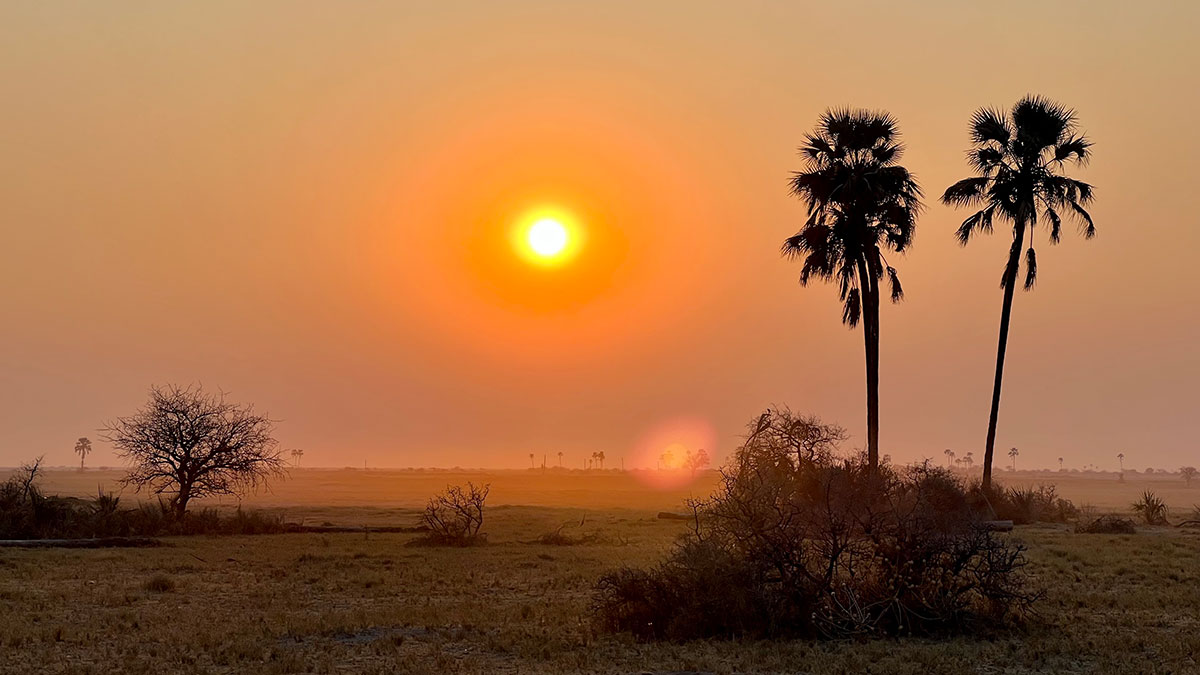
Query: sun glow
(547, 237)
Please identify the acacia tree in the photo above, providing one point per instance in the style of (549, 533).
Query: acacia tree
(188, 444)
(860, 201)
(1018, 159)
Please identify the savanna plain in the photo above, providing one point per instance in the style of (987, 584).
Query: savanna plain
(366, 601)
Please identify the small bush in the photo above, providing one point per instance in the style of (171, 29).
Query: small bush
(1108, 524)
(454, 517)
(159, 583)
(1024, 506)
(1151, 508)
(800, 544)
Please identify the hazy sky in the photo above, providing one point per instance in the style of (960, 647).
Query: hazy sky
(302, 204)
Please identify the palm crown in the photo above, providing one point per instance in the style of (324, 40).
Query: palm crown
(858, 199)
(1019, 158)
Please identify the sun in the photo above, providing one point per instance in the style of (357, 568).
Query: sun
(547, 237)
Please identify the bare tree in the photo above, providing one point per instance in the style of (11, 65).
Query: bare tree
(1188, 473)
(189, 444)
(455, 516)
(83, 448)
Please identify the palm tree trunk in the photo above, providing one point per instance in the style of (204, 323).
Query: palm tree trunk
(1010, 284)
(870, 310)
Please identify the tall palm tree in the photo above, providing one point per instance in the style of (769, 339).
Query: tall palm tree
(1013, 452)
(1019, 158)
(860, 202)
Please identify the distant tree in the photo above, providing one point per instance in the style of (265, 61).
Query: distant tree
(1013, 452)
(969, 460)
(949, 456)
(83, 448)
(696, 460)
(1188, 473)
(560, 459)
(1121, 461)
(667, 459)
(190, 444)
(297, 455)
(531, 464)
(860, 201)
(1018, 159)
(600, 458)
(1060, 463)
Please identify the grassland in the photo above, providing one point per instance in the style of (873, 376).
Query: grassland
(368, 603)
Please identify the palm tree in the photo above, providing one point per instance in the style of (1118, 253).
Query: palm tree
(1018, 159)
(1060, 466)
(949, 456)
(531, 464)
(969, 460)
(560, 459)
(83, 448)
(600, 458)
(860, 201)
(1013, 452)
(1121, 461)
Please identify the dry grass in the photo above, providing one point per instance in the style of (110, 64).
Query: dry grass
(366, 603)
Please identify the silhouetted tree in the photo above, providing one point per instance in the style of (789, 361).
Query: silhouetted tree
(1060, 463)
(531, 464)
(1188, 473)
(83, 448)
(297, 455)
(1012, 453)
(560, 460)
(191, 444)
(860, 201)
(949, 457)
(1018, 159)
(1121, 461)
(696, 460)
(969, 460)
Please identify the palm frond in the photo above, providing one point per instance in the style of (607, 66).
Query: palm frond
(894, 282)
(852, 309)
(989, 125)
(1089, 228)
(966, 192)
(1041, 123)
(1076, 146)
(1055, 224)
(1030, 269)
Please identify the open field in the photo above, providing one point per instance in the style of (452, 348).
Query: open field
(367, 603)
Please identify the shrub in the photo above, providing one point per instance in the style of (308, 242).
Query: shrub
(1031, 505)
(455, 516)
(159, 583)
(25, 513)
(1108, 524)
(1151, 508)
(797, 544)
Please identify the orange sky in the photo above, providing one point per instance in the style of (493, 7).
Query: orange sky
(305, 204)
